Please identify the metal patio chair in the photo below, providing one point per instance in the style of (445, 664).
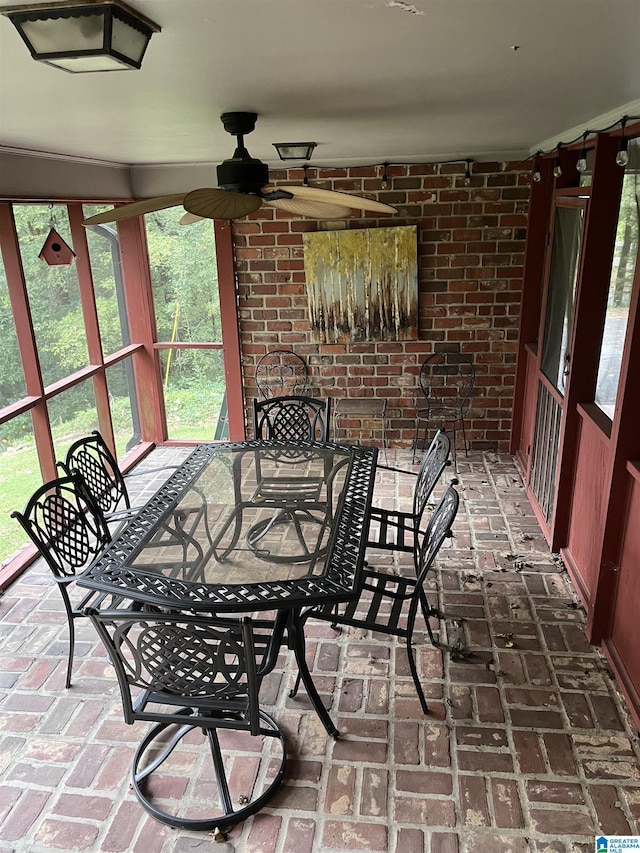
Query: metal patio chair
(68, 528)
(297, 420)
(187, 673)
(292, 417)
(280, 373)
(447, 381)
(397, 530)
(389, 603)
(91, 458)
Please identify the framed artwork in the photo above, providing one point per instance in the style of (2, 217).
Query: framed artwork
(362, 285)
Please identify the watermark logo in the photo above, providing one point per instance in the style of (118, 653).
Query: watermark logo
(616, 843)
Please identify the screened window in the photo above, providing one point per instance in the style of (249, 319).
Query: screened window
(567, 235)
(620, 285)
(61, 307)
(12, 384)
(189, 332)
(104, 253)
(54, 295)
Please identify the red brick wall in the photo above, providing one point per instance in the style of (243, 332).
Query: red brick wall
(470, 247)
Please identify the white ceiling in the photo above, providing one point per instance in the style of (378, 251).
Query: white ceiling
(368, 80)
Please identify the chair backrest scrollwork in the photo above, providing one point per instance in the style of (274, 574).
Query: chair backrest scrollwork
(210, 665)
(292, 418)
(66, 525)
(91, 458)
(281, 373)
(447, 380)
(433, 464)
(438, 530)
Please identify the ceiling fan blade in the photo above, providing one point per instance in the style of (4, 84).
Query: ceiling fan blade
(190, 218)
(220, 204)
(136, 208)
(343, 199)
(311, 209)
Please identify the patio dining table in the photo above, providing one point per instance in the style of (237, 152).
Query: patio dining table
(245, 527)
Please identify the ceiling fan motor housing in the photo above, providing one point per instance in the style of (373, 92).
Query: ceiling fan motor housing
(243, 175)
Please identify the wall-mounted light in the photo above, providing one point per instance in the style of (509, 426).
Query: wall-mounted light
(536, 173)
(467, 174)
(84, 36)
(622, 157)
(385, 176)
(295, 150)
(557, 168)
(581, 165)
(305, 179)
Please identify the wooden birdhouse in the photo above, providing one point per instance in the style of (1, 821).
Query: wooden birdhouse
(55, 252)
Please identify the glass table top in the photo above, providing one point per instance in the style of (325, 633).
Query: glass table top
(247, 524)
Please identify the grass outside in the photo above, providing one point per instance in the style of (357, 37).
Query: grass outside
(20, 477)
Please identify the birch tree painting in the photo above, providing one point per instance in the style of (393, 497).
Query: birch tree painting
(362, 285)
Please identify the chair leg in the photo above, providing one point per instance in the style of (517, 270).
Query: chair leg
(417, 439)
(385, 441)
(72, 631)
(221, 776)
(411, 621)
(464, 438)
(454, 448)
(72, 638)
(427, 612)
(414, 675)
(296, 686)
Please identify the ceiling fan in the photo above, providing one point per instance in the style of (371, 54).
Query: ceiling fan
(243, 186)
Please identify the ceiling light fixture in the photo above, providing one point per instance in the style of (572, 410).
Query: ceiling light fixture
(295, 150)
(84, 36)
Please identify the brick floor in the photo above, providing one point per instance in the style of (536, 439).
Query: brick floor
(527, 748)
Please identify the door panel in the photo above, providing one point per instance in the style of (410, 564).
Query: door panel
(555, 358)
(622, 644)
(588, 505)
